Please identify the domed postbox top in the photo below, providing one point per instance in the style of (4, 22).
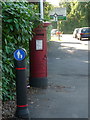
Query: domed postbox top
(46, 24)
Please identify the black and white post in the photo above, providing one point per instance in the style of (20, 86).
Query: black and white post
(21, 88)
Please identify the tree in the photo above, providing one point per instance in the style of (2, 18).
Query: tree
(77, 16)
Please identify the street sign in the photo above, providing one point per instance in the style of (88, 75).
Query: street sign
(61, 17)
(20, 54)
(51, 17)
(58, 13)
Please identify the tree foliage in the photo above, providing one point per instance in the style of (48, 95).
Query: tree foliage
(47, 8)
(77, 16)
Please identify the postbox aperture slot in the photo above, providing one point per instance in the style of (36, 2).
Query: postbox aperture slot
(40, 34)
(39, 44)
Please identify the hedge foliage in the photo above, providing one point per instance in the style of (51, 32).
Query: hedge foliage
(18, 21)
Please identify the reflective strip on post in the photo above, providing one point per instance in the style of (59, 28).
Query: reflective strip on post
(20, 68)
(22, 105)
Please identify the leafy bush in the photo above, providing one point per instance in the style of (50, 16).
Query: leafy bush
(49, 28)
(17, 26)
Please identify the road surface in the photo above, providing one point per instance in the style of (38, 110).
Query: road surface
(67, 92)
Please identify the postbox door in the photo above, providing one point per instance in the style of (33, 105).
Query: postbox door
(39, 57)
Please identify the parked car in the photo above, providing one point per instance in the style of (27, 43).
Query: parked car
(75, 32)
(56, 32)
(83, 33)
(53, 31)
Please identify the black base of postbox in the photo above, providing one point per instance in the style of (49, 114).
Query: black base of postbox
(22, 113)
(39, 82)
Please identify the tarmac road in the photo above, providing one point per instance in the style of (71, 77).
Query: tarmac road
(67, 92)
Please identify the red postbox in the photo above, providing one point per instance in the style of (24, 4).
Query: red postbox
(38, 57)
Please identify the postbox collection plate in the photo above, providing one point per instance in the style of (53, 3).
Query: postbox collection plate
(39, 44)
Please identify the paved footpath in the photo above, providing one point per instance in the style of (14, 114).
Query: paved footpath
(67, 92)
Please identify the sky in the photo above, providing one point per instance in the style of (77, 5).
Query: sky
(54, 2)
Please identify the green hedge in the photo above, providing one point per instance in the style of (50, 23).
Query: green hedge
(18, 21)
(49, 28)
